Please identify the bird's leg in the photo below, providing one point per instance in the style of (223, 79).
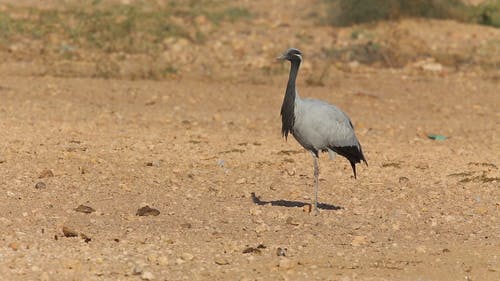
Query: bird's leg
(316, 179)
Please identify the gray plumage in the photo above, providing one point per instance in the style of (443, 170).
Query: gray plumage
(317, 125)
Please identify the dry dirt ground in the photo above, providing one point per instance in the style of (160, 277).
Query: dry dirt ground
(231, 193)
(196, 151)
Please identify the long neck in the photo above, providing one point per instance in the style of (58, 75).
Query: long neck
(294, 70)
(288, 106)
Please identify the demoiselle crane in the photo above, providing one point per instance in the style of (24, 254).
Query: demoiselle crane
(317, 125)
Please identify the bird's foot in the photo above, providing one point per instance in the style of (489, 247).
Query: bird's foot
(315, 211)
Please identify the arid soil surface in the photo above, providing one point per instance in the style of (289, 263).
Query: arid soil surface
(232, 195)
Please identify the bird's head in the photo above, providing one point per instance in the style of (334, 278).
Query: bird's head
(291, 54)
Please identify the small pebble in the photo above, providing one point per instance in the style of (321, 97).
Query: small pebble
(40, 185)
(84, 209)
(14, 246)
(5, 221)
(35, 268)
(403, 180)
(69, 232)
(221, 261)
(241, 181)
(137, 270)
(85, 238)
(358, 241)
(292, 221)
(163, 260)
(186, 225)
(153, 164)
(255, 211)
(146, 275)
(147, 211)
(187, 256)
(262, 228)
(281, 252)
(307, 208)
(251, 250)
(421, 249)
(46, 174)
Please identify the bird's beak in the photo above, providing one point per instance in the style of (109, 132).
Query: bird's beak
(282, 57)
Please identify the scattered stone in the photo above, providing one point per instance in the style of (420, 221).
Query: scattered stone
(432, 67)
(403, 180)
(358, 241)
(147, 211)
(137, 270)
(482, 210)
(255, 211)
(35, 268)
(186, 225)
(153, 164)
(163, 260)
(216, 117)
(146, 275)
(83, 170)
(221, 163)
(421, 249)
(292, 221)
(262, 228)
(221, 261)
(85, 238)
(307, 208)
(281, 252)
(241, 181)
(40, 185)
(391, 164)
(252, 250)
(187, 256)
(14, 246)
(5, 221)
(84, 209)
(68, 232)
(46, 174)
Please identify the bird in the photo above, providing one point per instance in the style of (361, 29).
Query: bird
(317, 125)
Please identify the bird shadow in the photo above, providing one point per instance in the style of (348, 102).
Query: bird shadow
(291, 204)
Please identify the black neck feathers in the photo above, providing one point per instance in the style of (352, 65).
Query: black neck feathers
(288, 106)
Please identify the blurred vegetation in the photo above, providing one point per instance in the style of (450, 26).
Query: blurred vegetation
(111, 40)
(349, 12)
(119, 28)
(489, 13)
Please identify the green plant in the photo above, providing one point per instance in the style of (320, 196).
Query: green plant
(488, 13)
(347, 12)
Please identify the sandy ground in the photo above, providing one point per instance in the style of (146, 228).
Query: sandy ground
(197, 151)
(80, 157)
